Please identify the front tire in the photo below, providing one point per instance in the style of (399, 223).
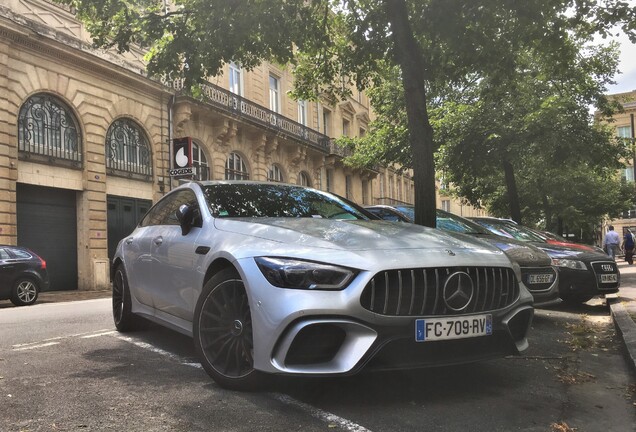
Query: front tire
(124, 319)
(25, 292)
(223, 335)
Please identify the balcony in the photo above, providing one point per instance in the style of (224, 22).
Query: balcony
(238, 106)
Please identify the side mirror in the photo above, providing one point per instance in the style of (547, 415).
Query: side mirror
(185, 216)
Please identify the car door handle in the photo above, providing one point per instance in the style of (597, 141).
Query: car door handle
(158, 241)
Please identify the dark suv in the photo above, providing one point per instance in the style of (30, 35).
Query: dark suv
(23, 275)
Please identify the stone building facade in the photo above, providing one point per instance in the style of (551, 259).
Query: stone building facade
(623, 123)
(85, 140)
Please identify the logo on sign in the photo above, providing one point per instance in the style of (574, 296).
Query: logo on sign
(181, 156)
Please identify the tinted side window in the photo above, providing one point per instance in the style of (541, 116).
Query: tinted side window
(4, 254)
(21, 254)
(385, 214)
(164, 212)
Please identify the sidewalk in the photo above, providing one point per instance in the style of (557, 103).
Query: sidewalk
(623, 308)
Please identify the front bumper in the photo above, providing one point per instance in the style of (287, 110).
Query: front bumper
(332, 346)
(301, 332)
(587, 282)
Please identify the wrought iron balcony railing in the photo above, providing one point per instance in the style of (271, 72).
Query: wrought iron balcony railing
(239, 106)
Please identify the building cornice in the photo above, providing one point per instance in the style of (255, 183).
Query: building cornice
(47, 41)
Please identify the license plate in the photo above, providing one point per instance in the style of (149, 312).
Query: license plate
(540, 278)
(609, 278)
(432, 329)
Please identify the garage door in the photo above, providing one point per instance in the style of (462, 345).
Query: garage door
(47, 224)
(123, 216)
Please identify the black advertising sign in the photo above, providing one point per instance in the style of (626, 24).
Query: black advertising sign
(181, 157)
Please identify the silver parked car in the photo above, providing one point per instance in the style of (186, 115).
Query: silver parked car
(280, 279)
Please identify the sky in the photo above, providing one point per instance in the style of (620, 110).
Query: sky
(626, 80)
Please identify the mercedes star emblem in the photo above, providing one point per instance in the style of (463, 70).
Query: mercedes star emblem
(458, 291)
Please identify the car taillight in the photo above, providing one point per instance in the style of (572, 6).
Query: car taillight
(42, 262)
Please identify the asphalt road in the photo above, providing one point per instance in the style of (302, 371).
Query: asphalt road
(63, 367)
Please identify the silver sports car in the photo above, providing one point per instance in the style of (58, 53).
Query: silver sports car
(281, 279)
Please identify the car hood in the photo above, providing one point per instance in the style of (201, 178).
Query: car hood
(524, 254)
(556, 251)
(353, 235)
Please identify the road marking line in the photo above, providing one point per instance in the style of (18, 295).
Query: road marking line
(17, 347)
(36, 346)
(99, 334)
(152, 348)
(324, 416)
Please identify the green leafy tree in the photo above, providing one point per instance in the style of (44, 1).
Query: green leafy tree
(533, 129)
(335, 45)
(519, 144)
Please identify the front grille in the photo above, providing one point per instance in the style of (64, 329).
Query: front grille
(603, 270)
(537, 287)
(420, 291)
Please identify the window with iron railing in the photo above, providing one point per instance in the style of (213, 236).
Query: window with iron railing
(47, 127)
(235, 168)
(275, 174)
(629, 214)
(200, 167)
(236, 79)
(127, 149)
(303, 179)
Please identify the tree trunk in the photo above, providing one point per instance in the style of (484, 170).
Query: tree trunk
(513, 194)
(409, 57)
(547, 211)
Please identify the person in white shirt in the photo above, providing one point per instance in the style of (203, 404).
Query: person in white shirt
(611, 242)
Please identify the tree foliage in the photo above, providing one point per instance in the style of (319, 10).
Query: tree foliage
(336, 45)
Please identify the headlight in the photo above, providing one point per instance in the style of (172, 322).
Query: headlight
(297, 274)
(569, 263)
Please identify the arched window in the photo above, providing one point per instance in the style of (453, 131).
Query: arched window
(274, 174)
(303, 179)
(46, 126)
(199, 163)
(127, 149)
(235, 168)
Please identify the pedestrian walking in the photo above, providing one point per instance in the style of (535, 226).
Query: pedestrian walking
(628, 247)
(611, 242)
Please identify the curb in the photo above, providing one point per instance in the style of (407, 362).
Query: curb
(626, 328)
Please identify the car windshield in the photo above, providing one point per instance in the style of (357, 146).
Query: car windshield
(450, 222)
(231, 200)
(511, 230)
(408, 211)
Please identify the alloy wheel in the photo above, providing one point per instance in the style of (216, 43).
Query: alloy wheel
(225, 329)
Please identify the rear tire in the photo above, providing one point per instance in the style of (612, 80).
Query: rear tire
(222, 331)
(25, 292)
(124, 319)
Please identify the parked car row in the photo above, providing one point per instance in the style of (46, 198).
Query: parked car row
(585, 271)
(538, 275)
(274, 279)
